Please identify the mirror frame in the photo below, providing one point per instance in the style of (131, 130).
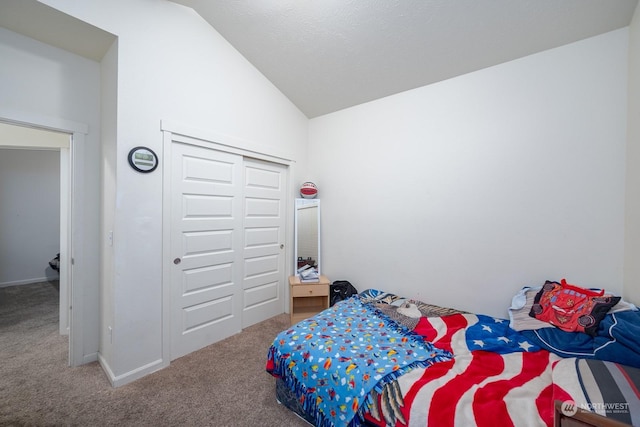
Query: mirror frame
(302, 204)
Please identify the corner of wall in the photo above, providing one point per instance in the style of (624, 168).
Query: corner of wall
(631, 287)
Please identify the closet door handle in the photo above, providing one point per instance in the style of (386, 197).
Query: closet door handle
(177, 261)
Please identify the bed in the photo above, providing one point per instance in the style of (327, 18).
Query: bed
(379, 359)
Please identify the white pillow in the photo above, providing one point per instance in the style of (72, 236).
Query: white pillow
(519, 311)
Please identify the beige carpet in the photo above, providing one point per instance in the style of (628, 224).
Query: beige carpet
(224, 384)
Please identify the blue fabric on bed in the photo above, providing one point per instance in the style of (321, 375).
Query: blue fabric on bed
(334, 359)
(495, 335)
(617, 340)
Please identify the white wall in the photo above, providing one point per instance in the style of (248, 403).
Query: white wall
(632, 224)
(46, 83)
(29, 215)
(461, 192)
(171, 66)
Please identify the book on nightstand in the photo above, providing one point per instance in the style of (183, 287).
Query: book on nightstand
(308, 274)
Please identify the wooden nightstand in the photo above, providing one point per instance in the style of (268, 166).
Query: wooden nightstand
(307, 299)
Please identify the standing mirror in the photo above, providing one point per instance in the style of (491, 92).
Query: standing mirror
(307, 239)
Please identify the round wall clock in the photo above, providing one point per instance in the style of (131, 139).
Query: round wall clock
(143, 159)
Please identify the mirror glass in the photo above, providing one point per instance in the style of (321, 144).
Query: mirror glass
(307, 239)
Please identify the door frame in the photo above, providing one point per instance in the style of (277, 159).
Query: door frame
(175, 132)
(71, 215)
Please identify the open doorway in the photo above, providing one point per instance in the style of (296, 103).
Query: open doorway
(36, 176)
(29, 244)
(29, 216)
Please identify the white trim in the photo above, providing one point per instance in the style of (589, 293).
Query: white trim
(30, 137)
(65, 230)
(89, 358)
(166, 248)
(41, 121)
(226, 143)
(75, 260)
(291, 232)
(120, 380)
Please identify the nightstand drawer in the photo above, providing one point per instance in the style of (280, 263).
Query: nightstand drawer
(310, 290)
(307, 299)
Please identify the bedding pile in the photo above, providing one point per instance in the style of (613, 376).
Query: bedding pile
(383, 360)
(613, 335)
(495, 370)
(333, 360)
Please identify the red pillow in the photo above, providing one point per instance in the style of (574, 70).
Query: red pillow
(571, 308)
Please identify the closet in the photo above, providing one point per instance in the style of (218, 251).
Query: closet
(225, 223)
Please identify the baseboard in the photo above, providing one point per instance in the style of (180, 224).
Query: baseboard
(106, 368)
(89, 358)
(27, 281)
(120, 380)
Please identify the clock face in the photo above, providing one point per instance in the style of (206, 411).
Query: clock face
(143, 159)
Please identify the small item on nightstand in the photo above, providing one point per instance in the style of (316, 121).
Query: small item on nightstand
(308, 274)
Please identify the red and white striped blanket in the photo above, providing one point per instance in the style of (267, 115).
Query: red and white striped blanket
(497, 378)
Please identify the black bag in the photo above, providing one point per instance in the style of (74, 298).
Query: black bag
(55, 263)
(341, 290)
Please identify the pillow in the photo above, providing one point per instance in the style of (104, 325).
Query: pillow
(519, 311)
(431, 310)
(396, 314)
(571, 308)
(410, 310)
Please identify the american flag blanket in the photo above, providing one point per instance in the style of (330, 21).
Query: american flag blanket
(497, 378)
(355, 363)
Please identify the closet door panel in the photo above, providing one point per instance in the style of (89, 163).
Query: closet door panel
(263, 234)
(226, 231)
(206, 247)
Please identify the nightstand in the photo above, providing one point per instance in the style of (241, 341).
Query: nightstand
(307, 299)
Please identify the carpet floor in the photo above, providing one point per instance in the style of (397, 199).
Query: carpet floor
(224, 384)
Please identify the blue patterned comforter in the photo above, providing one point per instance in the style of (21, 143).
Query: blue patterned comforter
(334, 359)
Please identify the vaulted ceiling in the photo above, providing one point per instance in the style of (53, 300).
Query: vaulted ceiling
(48, 25)
(326, 55)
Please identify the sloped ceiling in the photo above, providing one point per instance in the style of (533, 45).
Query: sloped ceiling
(48, 25)
(326, 55)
